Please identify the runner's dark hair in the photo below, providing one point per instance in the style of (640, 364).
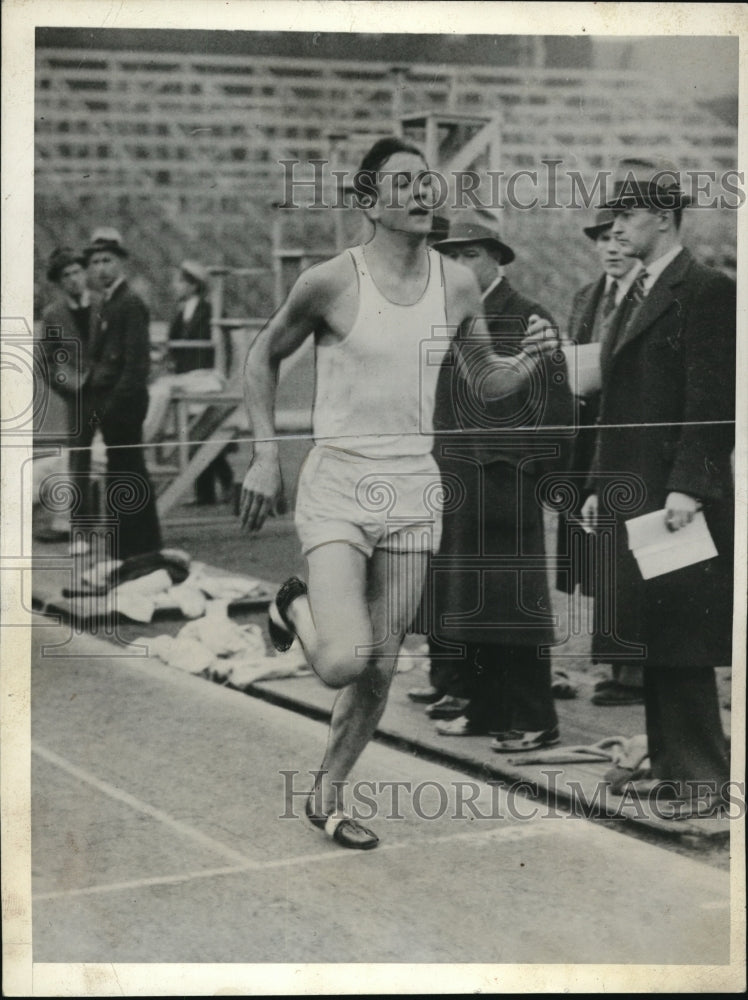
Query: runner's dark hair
(365, 179)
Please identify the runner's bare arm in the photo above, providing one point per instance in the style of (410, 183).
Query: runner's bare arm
(298, 317)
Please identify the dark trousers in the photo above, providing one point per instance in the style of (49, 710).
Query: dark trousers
(128, 490)
(511, 689)
(684, 729)
(507, 687)
(219, 471)
(447, 671)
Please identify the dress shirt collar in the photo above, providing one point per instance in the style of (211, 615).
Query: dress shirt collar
(492, 287)
(624, 283)
(82, 303)
(189, 307)
(113, 288)
(655, 269)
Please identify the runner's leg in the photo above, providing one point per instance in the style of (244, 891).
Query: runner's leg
(333, 623)
(394, 592)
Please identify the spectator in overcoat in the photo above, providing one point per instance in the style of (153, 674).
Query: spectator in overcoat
(668, 369)
(115, 397)
(592, 311)
(489, 589)
(66, 333)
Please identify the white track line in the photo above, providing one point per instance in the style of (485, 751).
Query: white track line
(142, 807)
(241, 862)
(323, 857)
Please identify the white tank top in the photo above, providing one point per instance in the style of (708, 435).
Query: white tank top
(375, 388)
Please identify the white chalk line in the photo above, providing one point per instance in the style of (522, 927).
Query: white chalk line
(244, 864)
(334, 854)
(138, 805)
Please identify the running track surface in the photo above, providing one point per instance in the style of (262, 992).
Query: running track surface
(156, 837)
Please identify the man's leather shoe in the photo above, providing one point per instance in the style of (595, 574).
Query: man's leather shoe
(462, 726)
(447, 708)
(516, 741)
(424, 696)
(617, 694)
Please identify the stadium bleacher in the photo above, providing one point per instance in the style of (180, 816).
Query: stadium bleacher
(181, 150)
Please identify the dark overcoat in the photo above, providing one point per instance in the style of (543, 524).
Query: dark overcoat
(670, 372)
(64, 354)
(488, 583)
(120, 356)
(571, 542)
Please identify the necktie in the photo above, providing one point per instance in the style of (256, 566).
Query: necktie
(609, 300)
(625, 313)
(638, 291)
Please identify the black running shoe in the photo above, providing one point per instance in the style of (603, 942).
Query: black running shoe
(281, 630)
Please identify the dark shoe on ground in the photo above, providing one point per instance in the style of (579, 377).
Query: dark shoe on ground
(618, 694)
(645, 788)
(604, 685)
(462, 726)
(281, 631)
(344, 830)
(424, 696)
(519, 742)
(447, 708)
(695, 809)
(51, 535)
(561, 686)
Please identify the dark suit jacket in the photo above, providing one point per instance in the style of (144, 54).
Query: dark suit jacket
(670, 372)
(187, 359)
(66, 353)
(120, 353)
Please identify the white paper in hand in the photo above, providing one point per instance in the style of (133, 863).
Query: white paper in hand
(583, 367)
(658, 550)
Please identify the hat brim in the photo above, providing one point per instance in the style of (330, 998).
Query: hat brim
(104, 248)
(53, 273)
(196, 279)
(592, 232)
(506, 254)
(666, 201)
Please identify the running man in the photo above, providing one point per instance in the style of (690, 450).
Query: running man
(382, 315)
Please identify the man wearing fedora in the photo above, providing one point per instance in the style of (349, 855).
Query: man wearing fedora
(67, 329)
(592, 312)
(115, 396)
(490, 612)
(668, 369)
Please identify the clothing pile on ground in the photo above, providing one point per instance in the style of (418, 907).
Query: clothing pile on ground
(223, 651)
(138, 586)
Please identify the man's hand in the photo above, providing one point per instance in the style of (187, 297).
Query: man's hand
(589, 512)
(680, 510)
(541, 334)
(262, 493)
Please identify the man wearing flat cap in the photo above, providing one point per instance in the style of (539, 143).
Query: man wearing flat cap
(490, 617)
(592, 312)
(115, 397)
(668, 369)
(68, 324)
